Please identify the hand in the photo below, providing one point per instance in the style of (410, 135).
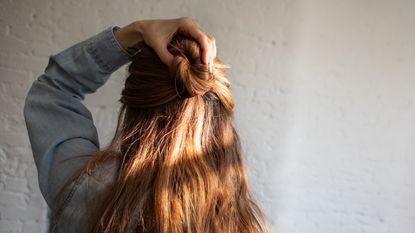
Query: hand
(158, 33)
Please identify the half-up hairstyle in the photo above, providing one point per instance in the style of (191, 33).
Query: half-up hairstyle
(180, 165)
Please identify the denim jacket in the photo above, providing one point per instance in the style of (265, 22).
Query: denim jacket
(61, 128)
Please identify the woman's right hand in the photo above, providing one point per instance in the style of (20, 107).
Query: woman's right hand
(158, 34)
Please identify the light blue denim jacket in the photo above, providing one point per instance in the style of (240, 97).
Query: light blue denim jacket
(61, 127)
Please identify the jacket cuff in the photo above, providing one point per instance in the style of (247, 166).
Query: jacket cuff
(106, 50)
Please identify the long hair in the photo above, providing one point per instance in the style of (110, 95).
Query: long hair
(180, 165)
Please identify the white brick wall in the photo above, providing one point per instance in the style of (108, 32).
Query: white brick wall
(325, 95)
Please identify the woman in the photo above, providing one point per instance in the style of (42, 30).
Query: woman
(174, 164)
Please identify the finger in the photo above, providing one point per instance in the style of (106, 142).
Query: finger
(204, 43)
(214, 47)
(214, 53)
(190, 28)
(212, 57)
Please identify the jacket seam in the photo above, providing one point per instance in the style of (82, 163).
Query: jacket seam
(68, 198)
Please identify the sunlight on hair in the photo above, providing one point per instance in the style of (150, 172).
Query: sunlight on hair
(179, 155)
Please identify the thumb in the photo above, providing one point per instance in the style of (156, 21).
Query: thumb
(165, 56)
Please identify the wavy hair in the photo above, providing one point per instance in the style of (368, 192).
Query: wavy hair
(180, 164)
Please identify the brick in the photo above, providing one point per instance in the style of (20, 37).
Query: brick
(13, 76)
(33, 226)
(10, 226)
(15, 184)
(11, 199)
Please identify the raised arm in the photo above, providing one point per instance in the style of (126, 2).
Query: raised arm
(59, 125)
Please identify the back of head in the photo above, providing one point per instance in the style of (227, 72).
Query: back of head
(152, 84)
(181, 168)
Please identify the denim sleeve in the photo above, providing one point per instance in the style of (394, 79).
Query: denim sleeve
(59, 125)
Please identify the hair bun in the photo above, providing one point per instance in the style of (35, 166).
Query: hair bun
(190, 76)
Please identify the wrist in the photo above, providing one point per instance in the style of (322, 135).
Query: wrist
(130, 38)
(138, 27)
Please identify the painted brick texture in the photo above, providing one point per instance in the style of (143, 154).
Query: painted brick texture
(324, 92)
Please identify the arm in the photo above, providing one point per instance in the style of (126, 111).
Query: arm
(59, 125)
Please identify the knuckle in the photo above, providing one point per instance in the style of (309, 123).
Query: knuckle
(205, 38)
(201, 37)
(186, 20)
(205, 41)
